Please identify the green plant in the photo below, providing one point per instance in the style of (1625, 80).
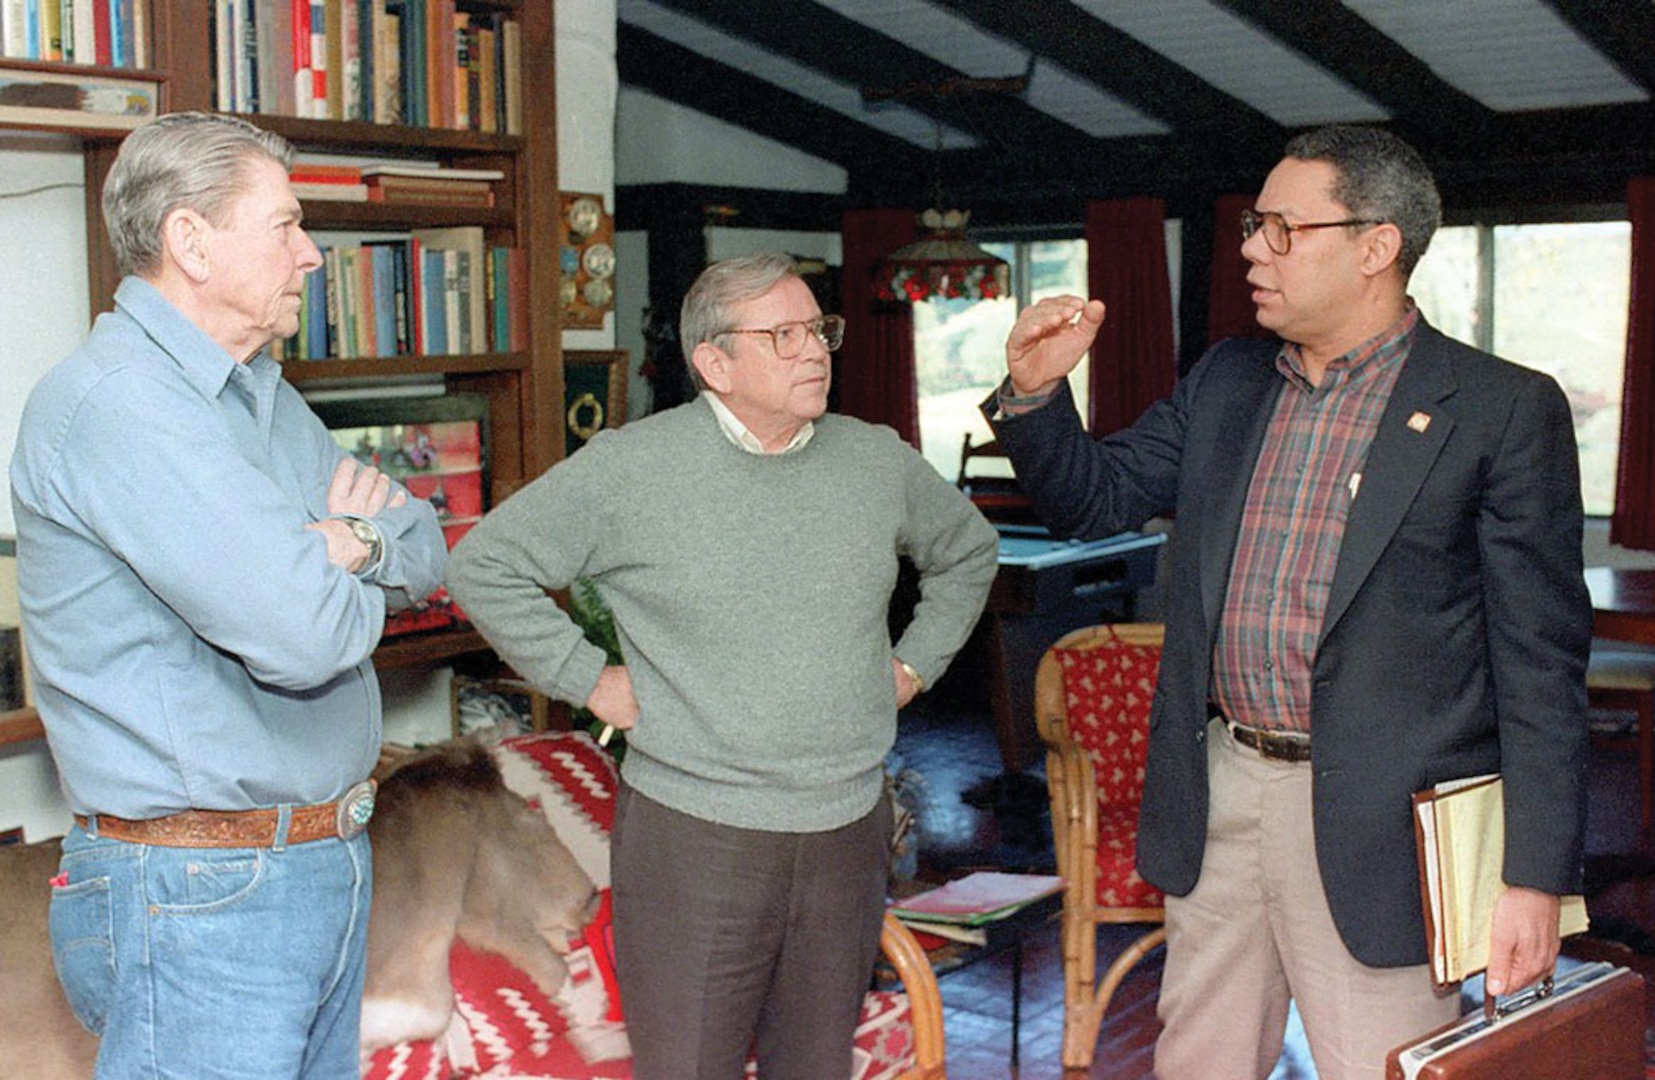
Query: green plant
(589, 612)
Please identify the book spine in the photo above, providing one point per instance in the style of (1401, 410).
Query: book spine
(384, 299)
(318, 60)
(404, 338)
(436, 309)
(330, 262)
(302, 74)
(350, 60)
(86, 33)
(517, 283)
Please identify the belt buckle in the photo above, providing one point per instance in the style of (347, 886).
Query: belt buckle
(356, 808)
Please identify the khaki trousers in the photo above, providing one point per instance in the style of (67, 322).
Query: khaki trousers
(1256, 933)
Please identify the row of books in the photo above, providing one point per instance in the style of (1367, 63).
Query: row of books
(108, 33)
(406, 183)
(439, 292)
(415, 62)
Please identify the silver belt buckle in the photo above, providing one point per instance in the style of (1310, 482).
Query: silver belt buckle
(356, 808)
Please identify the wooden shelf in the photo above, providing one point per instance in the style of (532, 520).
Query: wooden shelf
(357, 136)
(306, 371)
(20, 726)
(323, 214)
(426, 648)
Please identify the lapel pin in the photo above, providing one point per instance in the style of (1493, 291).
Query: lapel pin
(1419, 422)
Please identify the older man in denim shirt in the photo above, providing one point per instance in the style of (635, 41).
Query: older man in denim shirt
(204, 575)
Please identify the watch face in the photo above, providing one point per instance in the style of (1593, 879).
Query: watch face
(599, 260)
(585, 215)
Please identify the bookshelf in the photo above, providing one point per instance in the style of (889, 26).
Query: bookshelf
(524, 386)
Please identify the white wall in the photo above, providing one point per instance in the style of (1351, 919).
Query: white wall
(43, 312)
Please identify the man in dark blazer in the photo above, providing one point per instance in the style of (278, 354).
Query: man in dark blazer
(1374, 585)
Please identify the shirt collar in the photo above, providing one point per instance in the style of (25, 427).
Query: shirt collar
(739, 434)
(1389, 345)
(201, 360)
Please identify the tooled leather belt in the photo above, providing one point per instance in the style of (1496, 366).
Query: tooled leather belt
(342, 819)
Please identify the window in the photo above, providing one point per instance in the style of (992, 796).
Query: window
(1554, 297)
(960, 349)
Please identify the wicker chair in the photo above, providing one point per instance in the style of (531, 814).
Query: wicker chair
(1092, 697)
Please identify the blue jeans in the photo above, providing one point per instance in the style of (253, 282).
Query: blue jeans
(189, 963)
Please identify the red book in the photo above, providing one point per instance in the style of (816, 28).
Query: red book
(100, 27)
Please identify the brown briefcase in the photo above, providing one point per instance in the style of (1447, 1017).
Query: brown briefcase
(1589, 1026)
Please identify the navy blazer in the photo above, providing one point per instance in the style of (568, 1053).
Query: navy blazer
(1457, 625)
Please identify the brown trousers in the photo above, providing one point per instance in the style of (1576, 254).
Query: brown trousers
(729, 940)
(1255, 933)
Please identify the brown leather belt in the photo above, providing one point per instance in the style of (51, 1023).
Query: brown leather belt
(343, 818)
(1275, 745)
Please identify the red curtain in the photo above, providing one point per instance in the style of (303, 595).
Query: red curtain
(1633, 523)
(1230, 311)
(875, 367)
(1134, 361)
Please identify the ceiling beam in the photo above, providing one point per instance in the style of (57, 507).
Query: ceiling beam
(1124, 68)
(1623, 32)
(1425, 109)
(849, 52)
(651, 63)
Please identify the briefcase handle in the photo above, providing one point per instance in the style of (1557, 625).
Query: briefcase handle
(1493, 1010)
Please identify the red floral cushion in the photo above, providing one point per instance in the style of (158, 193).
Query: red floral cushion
(1107, 691)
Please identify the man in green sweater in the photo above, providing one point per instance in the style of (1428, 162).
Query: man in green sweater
(747, 545)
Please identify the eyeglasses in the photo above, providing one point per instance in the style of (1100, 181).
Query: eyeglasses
(789, 338)
(1278, 234)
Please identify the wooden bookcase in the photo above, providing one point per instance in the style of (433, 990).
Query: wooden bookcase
(524, 388)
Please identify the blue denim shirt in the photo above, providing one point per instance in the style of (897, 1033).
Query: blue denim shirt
(190, 642)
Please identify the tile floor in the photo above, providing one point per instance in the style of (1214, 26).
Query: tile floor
(949, 740)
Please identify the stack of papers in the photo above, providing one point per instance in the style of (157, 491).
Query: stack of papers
(1461, 829)
(960, 909)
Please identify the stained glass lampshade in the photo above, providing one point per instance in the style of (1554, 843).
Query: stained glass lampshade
(941, 263)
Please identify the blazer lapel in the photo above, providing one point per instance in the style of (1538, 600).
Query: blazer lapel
(1243, 420)
(1411, 434)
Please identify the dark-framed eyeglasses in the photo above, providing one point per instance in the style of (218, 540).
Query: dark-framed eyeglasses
(1278, 233)
(789, 338)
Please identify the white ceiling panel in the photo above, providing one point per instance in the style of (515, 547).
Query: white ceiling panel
(696, 36)
(1511, 55)
(961, 45)
(1238, 59)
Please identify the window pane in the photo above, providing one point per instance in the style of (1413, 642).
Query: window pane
(960, 350)
(1557, 302)
(1560, 305)
(1444, 284)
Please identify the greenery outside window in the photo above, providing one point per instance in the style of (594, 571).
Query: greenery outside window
(960, 349)
(1553, 296)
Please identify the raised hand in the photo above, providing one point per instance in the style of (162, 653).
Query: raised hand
(1048, 340)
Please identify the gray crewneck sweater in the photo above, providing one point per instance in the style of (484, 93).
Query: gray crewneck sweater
(750, 595)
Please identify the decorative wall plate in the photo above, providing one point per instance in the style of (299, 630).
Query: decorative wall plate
(586, 260)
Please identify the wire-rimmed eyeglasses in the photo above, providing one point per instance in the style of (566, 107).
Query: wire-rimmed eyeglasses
(1278, 233)
(789, 338)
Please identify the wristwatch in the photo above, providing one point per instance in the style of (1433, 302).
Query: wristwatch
(369, 536)
(912, 673)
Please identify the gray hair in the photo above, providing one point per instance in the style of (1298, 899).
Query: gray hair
(707, 314)
(1380, 177)
(188, 160)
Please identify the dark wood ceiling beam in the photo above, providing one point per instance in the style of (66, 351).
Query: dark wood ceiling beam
(676, 74)
(1624, 32)
(1124, 68)
(1425, 110)
(845, 50)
